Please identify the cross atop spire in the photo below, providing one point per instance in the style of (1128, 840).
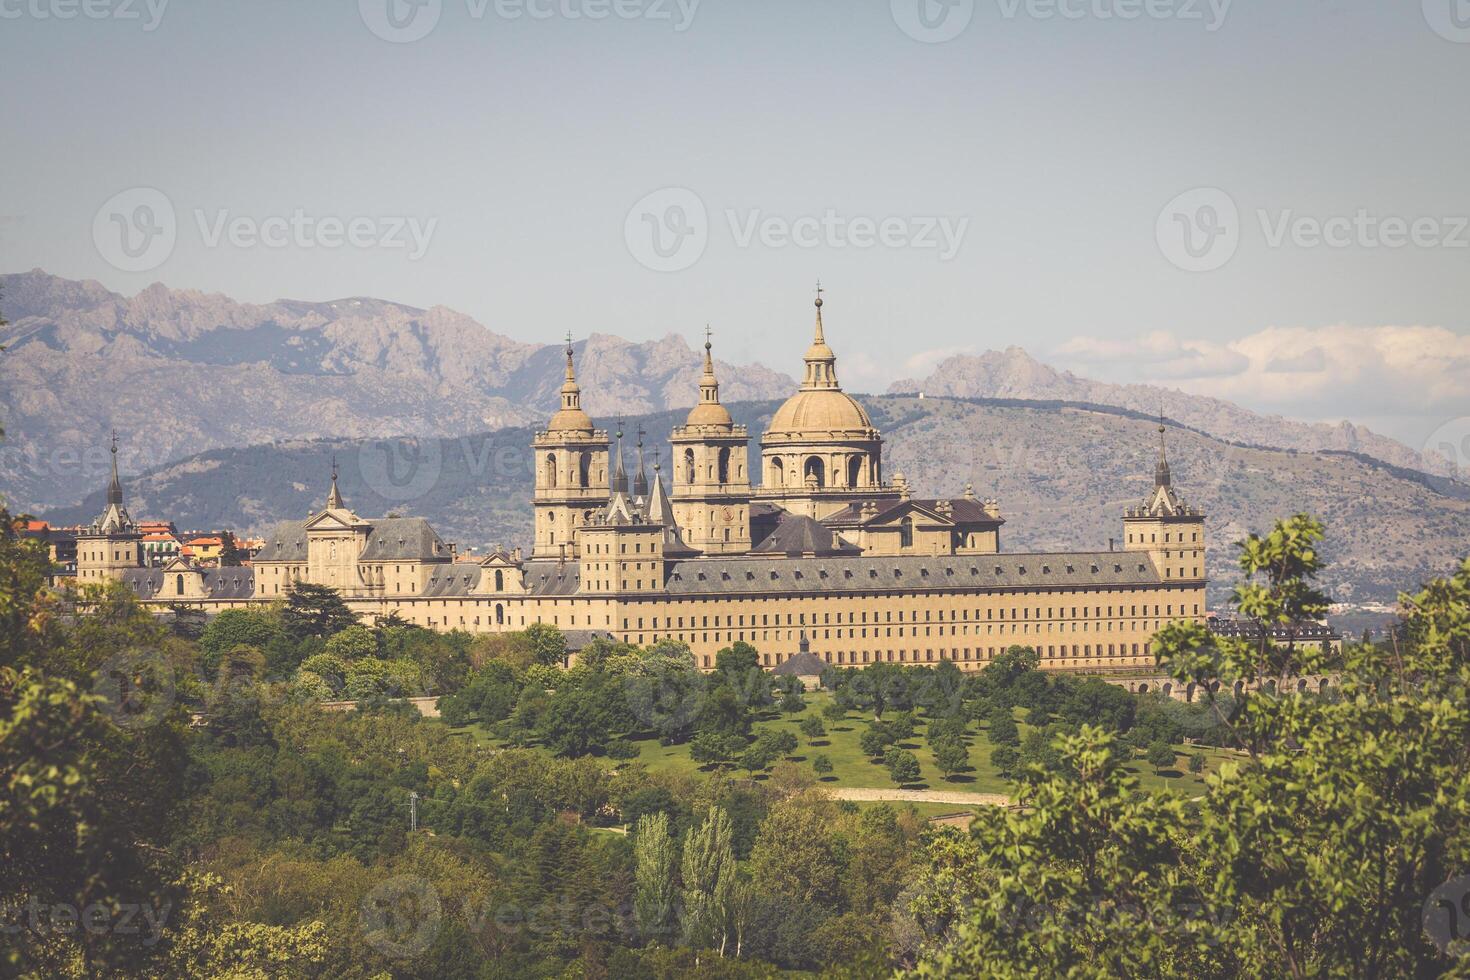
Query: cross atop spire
(640, 478)
(114, 489)
(1161, 469)
(821, 363)
(620, 475)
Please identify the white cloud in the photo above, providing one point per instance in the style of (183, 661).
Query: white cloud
(1411, 372)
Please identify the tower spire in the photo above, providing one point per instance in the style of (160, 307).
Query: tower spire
(1161, 469)
(114, 489)
(571, 393)
(709, 385)
(640, 479)
(334, 496)
(620, 475)
(821, 363)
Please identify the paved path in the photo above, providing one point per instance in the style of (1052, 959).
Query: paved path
(919, 796)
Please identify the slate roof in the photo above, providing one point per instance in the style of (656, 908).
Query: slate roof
(551, 577)
(403, 539)
(803, 536)
(801, 665)
(285, 542)
(219, 583)
(878, 574)
(457, 579)
(391, 539)
(963, 510)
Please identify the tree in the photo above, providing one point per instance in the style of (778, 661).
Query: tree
(232, 628)
(950, 757)
(315, 610)
(229, 552)
(548, 644)
(1318, 851)
(353, 643)
(903, 766)
(822, 766)
(708, 873)
(715, 748)
(654, 889)
(875, 741)
(1196, 763)
(791, 699)
(1005, 759)
(834, 712)
(1003, 730)
(758, 757)
(1159, 755)
(812, 728)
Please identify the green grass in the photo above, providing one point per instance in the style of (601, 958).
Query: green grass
(853, 769)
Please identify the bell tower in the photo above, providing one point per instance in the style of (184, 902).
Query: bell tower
(711, 497)
(1171, 531)
(571, 472)
(111, 543)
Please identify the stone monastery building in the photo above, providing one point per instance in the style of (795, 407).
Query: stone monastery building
(824, 551)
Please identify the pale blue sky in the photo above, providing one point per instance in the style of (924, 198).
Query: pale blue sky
(1058, 140)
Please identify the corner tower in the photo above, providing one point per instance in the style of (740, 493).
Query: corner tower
(112, 543)
(1165, 526)
(821, 452)
(571, 472)
(711, 499)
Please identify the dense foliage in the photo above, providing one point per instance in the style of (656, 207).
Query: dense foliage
(181, 805)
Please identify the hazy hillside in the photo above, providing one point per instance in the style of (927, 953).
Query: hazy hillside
(1013, 373)
(180, 372)
(1062, 474)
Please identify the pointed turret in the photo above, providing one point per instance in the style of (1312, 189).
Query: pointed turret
(570, 417)
(334, 496)
(660, 510)
(620, 475)
(821, 363)
(640, 479)
(1161, 468)
(114, 489)
(709, 413)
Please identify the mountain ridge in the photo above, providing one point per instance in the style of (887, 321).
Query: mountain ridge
(189, 371)
(1015, 373)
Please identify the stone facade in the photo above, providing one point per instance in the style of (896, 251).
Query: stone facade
(824, 555)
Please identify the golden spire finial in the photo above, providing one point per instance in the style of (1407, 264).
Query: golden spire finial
(819, 339)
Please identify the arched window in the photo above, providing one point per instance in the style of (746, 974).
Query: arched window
(689, 467)
(499, 615)
(724, 473)
(815, 469)
(499, 580)
(854, 470)
(778, 472)
(178, 585)
(584, 470)
(551, 470)
(906, 532)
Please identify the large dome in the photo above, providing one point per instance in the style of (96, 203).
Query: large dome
(818, 411)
